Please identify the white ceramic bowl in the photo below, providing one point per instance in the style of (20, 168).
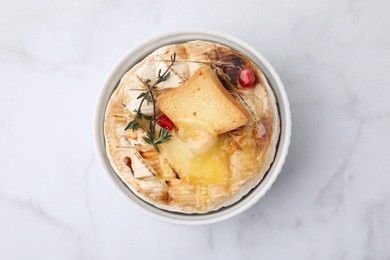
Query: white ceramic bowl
(137, 55)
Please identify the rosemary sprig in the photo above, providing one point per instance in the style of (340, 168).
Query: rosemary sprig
(163, 134)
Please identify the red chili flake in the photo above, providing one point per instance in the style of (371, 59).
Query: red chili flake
(165, 122)
(127, 161)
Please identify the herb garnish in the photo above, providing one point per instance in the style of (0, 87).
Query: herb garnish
(163, 134)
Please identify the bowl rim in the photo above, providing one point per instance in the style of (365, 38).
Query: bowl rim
(141, 51)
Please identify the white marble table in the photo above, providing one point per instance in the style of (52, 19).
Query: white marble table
(332, 199)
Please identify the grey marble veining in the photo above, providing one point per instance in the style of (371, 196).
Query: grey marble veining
(331, 200)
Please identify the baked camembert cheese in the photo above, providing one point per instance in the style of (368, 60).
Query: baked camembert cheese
(194, 133)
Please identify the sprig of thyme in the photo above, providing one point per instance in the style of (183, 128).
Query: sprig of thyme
(163, 134)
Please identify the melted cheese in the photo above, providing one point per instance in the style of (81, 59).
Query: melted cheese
(195, 153)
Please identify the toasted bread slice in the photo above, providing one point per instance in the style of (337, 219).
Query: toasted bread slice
(204, 98)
